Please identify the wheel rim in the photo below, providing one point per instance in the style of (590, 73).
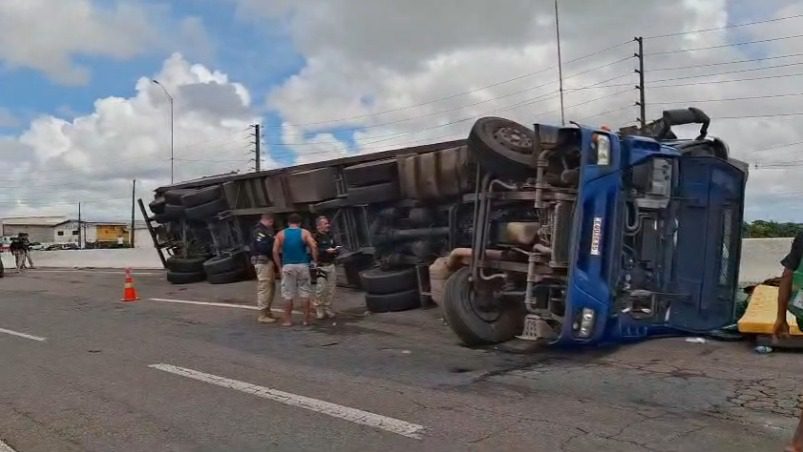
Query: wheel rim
(514, 139)
(487, 312)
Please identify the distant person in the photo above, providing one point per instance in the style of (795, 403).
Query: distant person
(262, 238)
(16, 249)
(326, 275)
(26, 250)
(791, 264)
(290, 254)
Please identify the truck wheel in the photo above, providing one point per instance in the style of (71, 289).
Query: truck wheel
(206, 210)
(392, 302)
(502, 146)
(201, 196)
(157, 206)
(378, 282)
(174, 196)
(239, 274)
(185, 278)
(472, 324)
(388, 191)
(185, 264)
(173, 212)
(227, 263)
(161, 218)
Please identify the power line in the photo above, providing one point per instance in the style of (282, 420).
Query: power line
(452, 96)
(735, 44)
(749, 60)
(727, 99)
(725, 27)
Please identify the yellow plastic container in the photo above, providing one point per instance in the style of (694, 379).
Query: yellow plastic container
(759, 318)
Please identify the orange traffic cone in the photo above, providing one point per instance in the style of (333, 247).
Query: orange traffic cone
(129, 292)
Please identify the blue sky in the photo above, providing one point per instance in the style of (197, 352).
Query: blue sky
(258, 54)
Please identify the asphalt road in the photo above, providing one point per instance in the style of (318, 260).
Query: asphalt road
(83, 371)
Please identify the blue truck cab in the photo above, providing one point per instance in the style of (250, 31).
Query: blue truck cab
(597, 236)
(657, 236)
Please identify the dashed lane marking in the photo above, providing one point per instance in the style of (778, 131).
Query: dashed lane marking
(353, 415)
(26, 336)
(105, 272)
(206, 303)
(212, 303)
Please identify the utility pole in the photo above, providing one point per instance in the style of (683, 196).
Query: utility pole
(79, 225)
(560, 66)
(257, 148)
(133, 197)
(640, 71)
(170, 98)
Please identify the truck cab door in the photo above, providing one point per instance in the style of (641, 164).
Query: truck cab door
(709, 205)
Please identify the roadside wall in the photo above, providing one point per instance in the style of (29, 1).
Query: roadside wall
(111, 258)
(760, 258)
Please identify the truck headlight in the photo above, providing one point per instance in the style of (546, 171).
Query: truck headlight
(603, 146)
(586, 322)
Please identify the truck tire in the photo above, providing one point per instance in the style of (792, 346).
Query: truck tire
(225, 263)
(173, 212)
(174, 196)
(387, 191)
(206, 210)
(185, 264)
(393, 302)
(161, 218)
(157, 206)
(472, 326)
(201, 196)
(502, 146)
(185, 278)
(378, 282)
(371, 173)
(232, 276)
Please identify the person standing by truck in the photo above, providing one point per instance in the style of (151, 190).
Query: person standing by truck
(16, 249)
(26, 250)
(791, 265)
(326, 276)
(290, 252)
(262, 257)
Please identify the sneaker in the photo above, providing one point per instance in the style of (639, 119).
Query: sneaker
(265, 318)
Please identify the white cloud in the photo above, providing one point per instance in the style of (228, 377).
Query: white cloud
(49, 36)
(382, 65)
(92, 158)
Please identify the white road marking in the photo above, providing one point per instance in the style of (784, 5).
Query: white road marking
(354, 415)
(212, 303)
(206, 303)
(106, 272)
(26, 336)
(5, 447)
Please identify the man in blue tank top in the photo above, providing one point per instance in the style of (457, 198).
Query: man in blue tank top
(291, 252)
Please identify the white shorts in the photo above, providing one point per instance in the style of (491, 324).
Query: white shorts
(296, 281)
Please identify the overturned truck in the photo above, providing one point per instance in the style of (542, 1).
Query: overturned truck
(570, 235)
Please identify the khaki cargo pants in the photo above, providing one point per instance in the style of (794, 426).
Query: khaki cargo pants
(325, 288)
(266, 284)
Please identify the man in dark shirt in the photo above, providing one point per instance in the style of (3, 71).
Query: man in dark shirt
(262, 258)
(17, 250)
(781, 328)
(327, 277)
